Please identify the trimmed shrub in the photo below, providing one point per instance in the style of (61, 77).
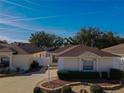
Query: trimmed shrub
(104, 75)
(83, 91)
(77, 75)
(34, 64)
(18, 69)
(63, 74)
(96, 89)
(7, 71)
(37, 90)
(116, 74)
(66, 89)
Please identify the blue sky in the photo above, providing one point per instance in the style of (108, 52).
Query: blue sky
(20, 18)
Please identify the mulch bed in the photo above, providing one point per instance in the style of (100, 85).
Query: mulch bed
(55, 84)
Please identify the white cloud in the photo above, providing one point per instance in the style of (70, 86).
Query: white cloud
(18, 25)
(36, 18)
(27, 27)
(8, 39)
(31, 2)
(55, 16)
(9, 17)
(17, 4)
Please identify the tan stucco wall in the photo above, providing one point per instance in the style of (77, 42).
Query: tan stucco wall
(118, 63)
(22, 61)
(88, 55)
(104, 63)
(5, 54)
(40, 54)
(43, 58)
(71, 63)
(74, 63)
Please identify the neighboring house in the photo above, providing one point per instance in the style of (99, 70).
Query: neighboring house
(83, 58)
(19, 55)
(117, 50)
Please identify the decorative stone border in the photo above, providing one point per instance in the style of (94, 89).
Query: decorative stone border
(39, 84)
(70, 84)
(109, 87)
(112, 87)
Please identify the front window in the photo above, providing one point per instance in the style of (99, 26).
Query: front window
(88, 65)
(5, 61)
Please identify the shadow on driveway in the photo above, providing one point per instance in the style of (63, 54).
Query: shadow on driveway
(28, 73)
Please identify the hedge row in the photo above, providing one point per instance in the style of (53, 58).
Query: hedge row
(78, 75)
(116, 74)
(113, 74)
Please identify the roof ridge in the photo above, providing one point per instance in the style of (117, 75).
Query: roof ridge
(18, 48)
(113, 46)
(68, 49)
(23, 49)
(6, 49)
(79, 49)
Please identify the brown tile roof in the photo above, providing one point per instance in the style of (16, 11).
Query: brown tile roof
(80, 49)
(117, 49)
(5, 49)
(28, 48)
(19, 49)
(62, 49)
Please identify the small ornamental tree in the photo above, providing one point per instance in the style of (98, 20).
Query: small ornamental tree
(96, 89)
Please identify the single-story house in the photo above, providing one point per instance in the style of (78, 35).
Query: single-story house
(19, 55)
(83, 58)
(117, 50)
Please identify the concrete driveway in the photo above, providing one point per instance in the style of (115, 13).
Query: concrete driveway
(23, 83)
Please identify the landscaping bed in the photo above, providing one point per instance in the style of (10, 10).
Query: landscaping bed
(105, 84)
(55, 84)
